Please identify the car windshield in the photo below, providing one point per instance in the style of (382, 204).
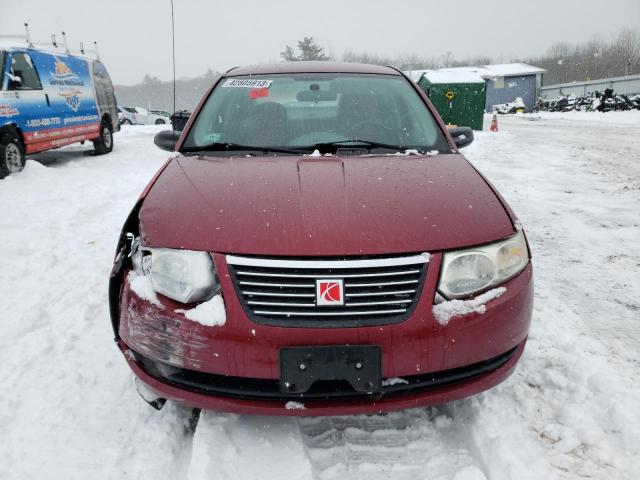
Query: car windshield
(304, 112)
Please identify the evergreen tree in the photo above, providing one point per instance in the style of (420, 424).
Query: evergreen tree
(309, 50)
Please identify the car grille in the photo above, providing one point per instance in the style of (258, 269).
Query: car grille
(283, 291)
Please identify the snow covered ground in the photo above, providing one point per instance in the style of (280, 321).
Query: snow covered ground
(68, 408)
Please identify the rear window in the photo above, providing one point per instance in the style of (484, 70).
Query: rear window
(301, 110)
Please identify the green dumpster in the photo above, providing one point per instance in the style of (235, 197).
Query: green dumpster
(459, 96)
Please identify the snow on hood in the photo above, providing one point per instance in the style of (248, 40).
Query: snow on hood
(322, 205)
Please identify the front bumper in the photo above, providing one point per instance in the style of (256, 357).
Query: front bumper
(416, 349)
(424, 391)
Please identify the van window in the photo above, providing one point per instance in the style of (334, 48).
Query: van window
(23, 73)
(99, 71)
(2, 55)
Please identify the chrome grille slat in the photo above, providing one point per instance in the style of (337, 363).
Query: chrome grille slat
(329, 314)
(363, 275)
(381, 302)
(282, 292)
(378, 294)
(279, 285)
(281, 304)
(273, 294)
(381, 284)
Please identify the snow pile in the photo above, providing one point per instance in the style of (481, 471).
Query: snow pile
(291, 405)
(388, 382)
(141, 285)
(445, 311)
(210, 313)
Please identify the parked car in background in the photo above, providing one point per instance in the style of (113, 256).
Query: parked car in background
(142, 116)
(126, 115)
(49, 99)
(162, 113)
(317, 245)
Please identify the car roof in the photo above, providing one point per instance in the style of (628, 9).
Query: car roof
(312, 67)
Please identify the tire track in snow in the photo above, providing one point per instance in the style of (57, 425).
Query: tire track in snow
(419, 443)
(158, 445)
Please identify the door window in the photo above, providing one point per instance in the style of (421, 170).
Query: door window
(22, 73)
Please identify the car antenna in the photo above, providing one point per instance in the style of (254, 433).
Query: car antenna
(173, 54)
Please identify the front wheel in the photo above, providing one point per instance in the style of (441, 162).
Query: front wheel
(11, 154)
(104, 143)
(160, 122)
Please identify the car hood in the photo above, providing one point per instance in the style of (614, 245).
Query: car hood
(322, 206)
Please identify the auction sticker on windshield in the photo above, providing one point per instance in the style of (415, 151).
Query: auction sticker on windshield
(247, 83)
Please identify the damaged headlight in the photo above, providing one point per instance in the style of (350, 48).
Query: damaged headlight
(183, 275)
(468, 271)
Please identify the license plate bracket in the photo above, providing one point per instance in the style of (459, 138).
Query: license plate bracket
(359, 365)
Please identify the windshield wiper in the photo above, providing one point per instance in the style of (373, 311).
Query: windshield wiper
(235, 147)
(356, 143)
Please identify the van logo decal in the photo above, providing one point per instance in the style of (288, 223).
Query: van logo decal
(330, 292)
(68, 83)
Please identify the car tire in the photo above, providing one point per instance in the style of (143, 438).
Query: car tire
(104, 143)
(11, 154)
(126, 121)
(160, 122)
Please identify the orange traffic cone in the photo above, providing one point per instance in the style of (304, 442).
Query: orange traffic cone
(494, 123)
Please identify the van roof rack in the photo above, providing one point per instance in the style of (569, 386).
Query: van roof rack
(26, 37)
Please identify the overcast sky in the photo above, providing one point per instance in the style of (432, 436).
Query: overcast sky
(134, 36)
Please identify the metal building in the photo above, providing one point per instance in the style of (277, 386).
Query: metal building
(508, 81)
(629, 85)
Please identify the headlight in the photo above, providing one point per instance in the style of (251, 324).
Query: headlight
(472, 270)
(184, 275)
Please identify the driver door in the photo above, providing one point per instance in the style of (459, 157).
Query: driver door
(26, 93)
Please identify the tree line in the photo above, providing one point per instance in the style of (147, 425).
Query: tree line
(564, 62)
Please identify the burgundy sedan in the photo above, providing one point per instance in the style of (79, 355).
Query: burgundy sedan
(319, 246)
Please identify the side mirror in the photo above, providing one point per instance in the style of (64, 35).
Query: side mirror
(167, 139)
(462, 136)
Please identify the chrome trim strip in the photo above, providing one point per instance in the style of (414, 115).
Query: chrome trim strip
(320, 264)
(335, 275)
(322, 313)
